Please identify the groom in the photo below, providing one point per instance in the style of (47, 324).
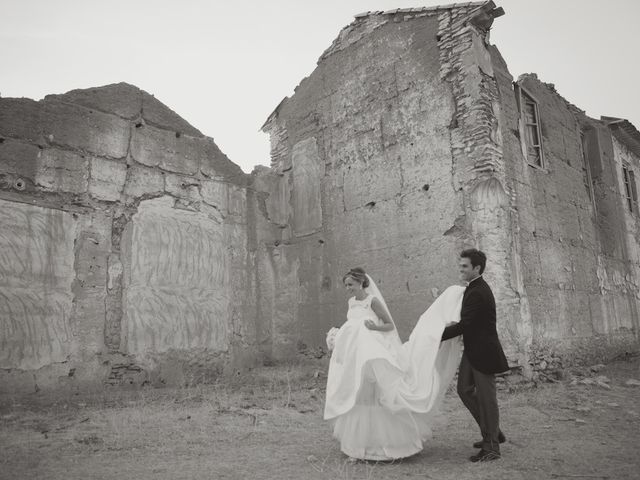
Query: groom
(483, 356)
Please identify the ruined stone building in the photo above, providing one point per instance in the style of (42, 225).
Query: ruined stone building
(133, 250)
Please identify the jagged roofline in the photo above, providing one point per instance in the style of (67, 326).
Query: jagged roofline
(115, 97)
(624, 131)
(133, 104)
(551, 87)
(486, 11)
(427, 9)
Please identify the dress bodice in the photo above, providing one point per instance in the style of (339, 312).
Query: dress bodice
(360, 310)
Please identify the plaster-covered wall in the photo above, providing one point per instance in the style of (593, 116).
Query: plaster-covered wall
(124, 247)
(37, 268)
(620, 283)
(569, 227)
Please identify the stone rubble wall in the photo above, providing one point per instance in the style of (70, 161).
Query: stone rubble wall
(480, 172)
(124, 254)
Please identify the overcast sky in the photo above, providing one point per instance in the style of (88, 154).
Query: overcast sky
(224, 66)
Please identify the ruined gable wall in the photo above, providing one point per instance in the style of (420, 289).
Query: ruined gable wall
(124, 244)
(370, 128)
(399, 126)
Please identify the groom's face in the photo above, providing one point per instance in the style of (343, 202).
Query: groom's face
(467, 271)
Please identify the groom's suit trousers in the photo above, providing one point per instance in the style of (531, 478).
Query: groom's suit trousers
(477, 391)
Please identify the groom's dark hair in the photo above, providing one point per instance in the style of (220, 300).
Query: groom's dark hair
(476, 257)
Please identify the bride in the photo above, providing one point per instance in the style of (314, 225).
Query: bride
(382, 394)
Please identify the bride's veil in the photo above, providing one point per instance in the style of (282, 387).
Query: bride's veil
(373, 289)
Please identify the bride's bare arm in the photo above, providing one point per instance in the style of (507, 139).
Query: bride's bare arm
(381, 312)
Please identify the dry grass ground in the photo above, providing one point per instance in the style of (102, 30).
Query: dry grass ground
(268, 425)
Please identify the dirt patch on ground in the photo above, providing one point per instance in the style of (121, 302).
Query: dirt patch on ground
(268, 424)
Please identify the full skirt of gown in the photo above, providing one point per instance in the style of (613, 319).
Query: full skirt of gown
(381, 394)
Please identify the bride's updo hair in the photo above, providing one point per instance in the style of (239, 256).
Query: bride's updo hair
(359, 275)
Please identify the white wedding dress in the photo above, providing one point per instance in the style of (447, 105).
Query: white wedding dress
(382, 394)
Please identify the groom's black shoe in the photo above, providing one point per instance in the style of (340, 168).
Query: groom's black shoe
(501, 439)
(484, 456)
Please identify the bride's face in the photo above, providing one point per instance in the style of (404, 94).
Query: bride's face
(352, 286)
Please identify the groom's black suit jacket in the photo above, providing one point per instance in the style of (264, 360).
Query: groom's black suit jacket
(478, 329)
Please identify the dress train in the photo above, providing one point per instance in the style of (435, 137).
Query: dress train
(382, 394)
